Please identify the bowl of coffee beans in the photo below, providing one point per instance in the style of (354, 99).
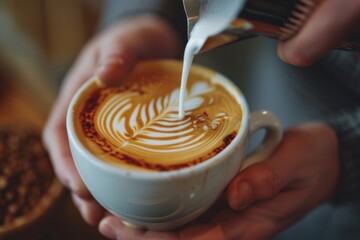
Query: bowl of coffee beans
(28, 186)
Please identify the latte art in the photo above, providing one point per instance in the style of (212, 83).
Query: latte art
(137, 124)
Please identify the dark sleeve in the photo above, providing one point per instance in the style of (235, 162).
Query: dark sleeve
(347, 127)
(346, 123)
(172, 10)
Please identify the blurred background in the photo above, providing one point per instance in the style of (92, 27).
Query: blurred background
(39, 40)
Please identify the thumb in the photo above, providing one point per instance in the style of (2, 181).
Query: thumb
(114, 64)
(258, 182)
(113, 228)
(326, 29)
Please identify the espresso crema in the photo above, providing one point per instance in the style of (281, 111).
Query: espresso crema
(136, 125)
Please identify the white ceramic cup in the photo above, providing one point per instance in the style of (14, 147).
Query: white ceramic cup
(166, 200)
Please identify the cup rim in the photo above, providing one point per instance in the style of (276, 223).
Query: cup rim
(149, 175)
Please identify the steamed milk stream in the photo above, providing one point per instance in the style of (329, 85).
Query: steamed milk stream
(214, 17)
(136, 125)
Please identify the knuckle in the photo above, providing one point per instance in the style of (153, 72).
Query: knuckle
(275, 182)
(268, 182)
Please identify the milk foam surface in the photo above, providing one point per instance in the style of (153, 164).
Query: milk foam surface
(137, 126)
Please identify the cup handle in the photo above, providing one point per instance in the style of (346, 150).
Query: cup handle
(268, 121)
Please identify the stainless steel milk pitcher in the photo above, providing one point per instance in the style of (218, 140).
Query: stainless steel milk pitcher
(280, 19)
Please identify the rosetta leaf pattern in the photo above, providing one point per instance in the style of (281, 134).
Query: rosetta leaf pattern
(165, 108)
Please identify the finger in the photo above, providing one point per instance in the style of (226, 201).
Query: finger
(265, 219)
(55, 137)
(260, 221)
(204, 232)
(89, 209)
(266, 179)
(330, 24)
(108, 227)
(64, 167)
(155, 39)
(81, 71)
(115, 62)
(255, 183)
(114, 228)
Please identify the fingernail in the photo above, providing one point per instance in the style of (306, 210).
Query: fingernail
(245, 194)
(99, 82)
(107, 231)
(282, 56)
(294, 55)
